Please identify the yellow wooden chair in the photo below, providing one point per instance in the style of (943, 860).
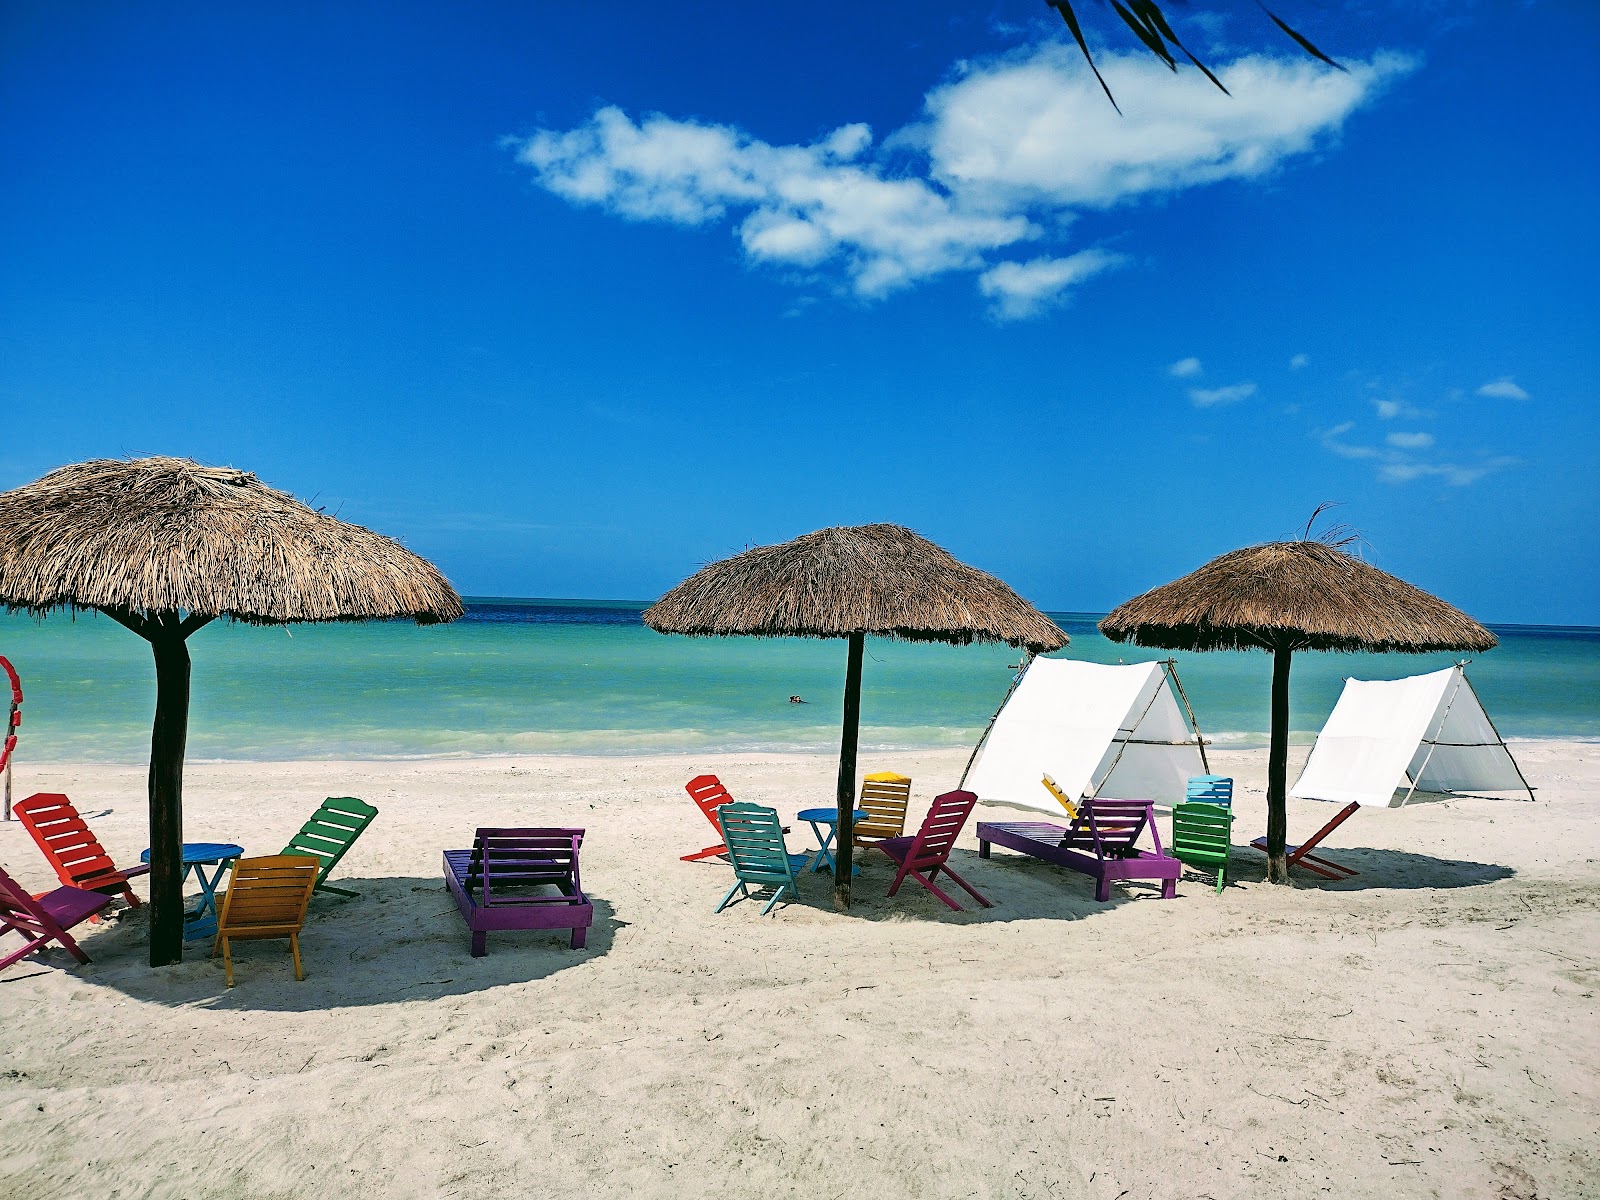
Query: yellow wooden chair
(266, 898)
(884, 796)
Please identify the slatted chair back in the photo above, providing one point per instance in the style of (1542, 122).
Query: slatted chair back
(72, 849)
(331, 831)
(267, 897)
(1210, 789)
(884, 797)
(1202, 836)
(505, 863)
(1112, 828)
(708, 795)
(940, 829)
(1055, 789)
(754, 836)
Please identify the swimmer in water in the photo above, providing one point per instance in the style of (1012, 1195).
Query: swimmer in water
(796, 700)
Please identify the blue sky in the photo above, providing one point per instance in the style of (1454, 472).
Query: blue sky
(575, 298)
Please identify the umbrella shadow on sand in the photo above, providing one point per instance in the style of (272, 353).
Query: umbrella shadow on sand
(402, 939)
(1023, 888)
(1019, 887)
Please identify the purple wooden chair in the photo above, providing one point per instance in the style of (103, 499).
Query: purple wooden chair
(46, 919)
(511, 870)
(930, 850)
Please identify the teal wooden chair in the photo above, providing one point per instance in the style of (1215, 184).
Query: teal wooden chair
(331, 831)
(754, 837)
(1202, 836)
(1210, 789)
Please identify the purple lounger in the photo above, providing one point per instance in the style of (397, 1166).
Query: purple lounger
(45, 919)
(1107, 830)
(522, 859)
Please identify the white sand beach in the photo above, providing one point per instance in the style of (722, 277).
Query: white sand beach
(1426, 1029)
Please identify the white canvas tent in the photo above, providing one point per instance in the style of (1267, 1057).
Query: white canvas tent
(1111, 731)
(1428, 733)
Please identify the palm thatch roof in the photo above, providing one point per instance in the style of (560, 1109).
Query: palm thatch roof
(1305, 594)
(155, 535)
(877, 579)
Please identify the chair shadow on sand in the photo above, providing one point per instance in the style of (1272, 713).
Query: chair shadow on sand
(402, 939)
(1380, 870)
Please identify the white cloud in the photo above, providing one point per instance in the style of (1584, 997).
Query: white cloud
(1396, 464)
(1185, 368)
(1404, 471)
(1330, 441)
(1023, 289)
(1410, 441)
(1504, 388)
(1004, 155)
(1298, 361)
(1232, 394)
(1038, 128)
(1388, 410)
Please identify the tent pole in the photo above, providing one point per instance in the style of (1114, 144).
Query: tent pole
(1503, 745)
(1433, 741)
(1027, 660)
(844, 843)
(1171, 666)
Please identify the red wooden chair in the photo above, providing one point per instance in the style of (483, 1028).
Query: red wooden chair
(80, 860)
(1301, 855)
(930, 849)
(709, 795)
(46, 919)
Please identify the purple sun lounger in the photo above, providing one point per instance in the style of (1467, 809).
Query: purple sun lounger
(1101, 843)
(44, 920)
(503, 882)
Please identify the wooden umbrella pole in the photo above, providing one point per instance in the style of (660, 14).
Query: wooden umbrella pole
(844, 853)
(167, 741)
(1278, 766)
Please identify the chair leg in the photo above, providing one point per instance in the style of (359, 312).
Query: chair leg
(971, 891)
(127, 894)
(337, 891)
(580, 936)
(66, 939)
(480, 943)
(294, 949)
(776, 896)
(227, 960)
(934, 888)
(708, 852)
(900, 877)
(737, 884)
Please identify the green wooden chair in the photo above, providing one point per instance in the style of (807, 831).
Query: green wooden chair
(754, 837)
(331, 831)
(1202, 836)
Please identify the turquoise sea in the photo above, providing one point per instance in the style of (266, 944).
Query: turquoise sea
(584, 676)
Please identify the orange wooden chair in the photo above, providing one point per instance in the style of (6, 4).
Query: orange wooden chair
(266, 898)
(79, 859)
(709, 795)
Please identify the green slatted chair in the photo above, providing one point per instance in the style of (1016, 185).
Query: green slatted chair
(331, 831)
(1202, 836)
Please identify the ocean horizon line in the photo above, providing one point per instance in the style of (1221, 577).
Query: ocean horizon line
(1076, 614)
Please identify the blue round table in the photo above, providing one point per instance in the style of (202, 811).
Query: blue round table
(202, 922)
(824, 822)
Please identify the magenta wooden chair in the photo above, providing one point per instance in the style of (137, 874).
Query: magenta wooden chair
(46, 919)
(924, 856)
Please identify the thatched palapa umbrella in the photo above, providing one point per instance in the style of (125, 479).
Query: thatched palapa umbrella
(1283, 597)
(165, 546)
(848, 582)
